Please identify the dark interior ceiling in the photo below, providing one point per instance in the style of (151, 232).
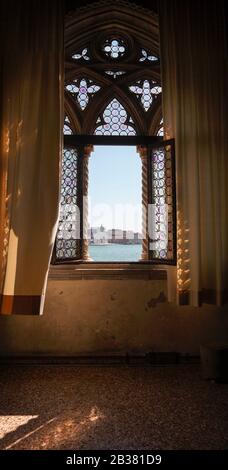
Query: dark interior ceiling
(73, 4)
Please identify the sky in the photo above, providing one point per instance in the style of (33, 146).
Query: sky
(115, 188)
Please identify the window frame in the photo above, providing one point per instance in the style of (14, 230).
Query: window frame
(81, 141)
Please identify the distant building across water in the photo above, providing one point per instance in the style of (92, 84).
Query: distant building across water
(100, 236)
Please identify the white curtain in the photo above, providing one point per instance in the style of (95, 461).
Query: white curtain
(31, 138)
(194, 80)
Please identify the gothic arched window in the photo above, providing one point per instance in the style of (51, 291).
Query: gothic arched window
(113, 89)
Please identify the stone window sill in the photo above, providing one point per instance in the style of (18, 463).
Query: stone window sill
(92, 270)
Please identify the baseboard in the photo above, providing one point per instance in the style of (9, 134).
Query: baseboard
(149, 359)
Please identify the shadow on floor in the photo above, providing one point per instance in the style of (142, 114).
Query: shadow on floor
(56, 407)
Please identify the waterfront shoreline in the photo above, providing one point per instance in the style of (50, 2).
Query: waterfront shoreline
(115, 252)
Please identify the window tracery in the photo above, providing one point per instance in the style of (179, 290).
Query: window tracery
(146, 91)
(114, 80)
(160, 131)
(146, 56)
(110, 66)
(82, 90)
(114, 48)
(114, 73)
(115, 121)
(81, 55)
(67, 130)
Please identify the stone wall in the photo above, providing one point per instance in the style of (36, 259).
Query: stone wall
(119, 316)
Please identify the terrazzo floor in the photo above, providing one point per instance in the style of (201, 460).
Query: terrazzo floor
(60, 407)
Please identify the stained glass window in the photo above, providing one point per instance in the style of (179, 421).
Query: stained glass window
(81, 55)
(162, 246)
(82, 89)
(146, 91)
(67, 240)
(146, 56)
(114, 48)
(115, 121)
(112, 84)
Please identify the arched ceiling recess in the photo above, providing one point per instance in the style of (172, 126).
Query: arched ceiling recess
(112, 51)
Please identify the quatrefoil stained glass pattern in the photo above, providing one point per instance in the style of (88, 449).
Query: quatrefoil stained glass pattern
(82, 90)
(146, 91)
(115, 121)
(114, 48)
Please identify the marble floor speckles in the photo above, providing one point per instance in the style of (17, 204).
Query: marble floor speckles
(60, 407)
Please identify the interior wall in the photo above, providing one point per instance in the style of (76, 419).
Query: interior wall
(132, 316)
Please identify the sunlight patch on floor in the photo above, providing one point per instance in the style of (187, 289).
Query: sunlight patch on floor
(11, 423)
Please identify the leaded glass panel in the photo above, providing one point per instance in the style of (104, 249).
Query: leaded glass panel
(68, 234)
(146, 56)
(67, 130)
(114, 48)
(82, 90)
(146, 91)
(162, 243)
(114, 74)
(81, 55)
(160, 131)
(115, 121)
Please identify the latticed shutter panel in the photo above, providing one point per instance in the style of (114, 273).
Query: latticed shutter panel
(162, 203)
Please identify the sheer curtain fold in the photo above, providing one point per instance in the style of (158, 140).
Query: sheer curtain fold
(194, 79)
(31, 142)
